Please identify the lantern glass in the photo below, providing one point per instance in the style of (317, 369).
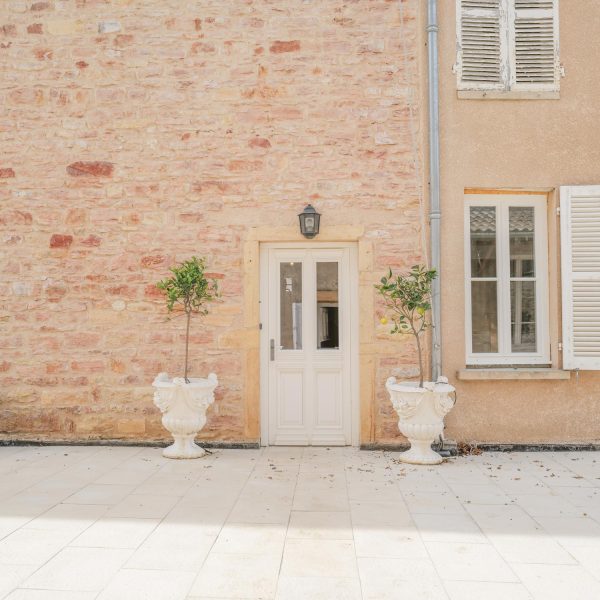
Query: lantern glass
(309, 222)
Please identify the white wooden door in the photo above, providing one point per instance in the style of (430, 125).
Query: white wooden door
(307, 333)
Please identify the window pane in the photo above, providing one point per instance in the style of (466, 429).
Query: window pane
(522, 316)
(290, 294)
(327, 305)
(521, 241)
(483, 241)
(484, 313)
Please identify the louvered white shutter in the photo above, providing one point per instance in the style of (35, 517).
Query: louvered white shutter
(534, 58)
(480, 45)
(580, 259)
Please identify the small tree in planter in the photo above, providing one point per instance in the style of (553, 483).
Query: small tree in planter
(184, 401)
(190, 288)
(421, 409)
(408, 299)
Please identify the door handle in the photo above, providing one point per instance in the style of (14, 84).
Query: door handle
(272, 349)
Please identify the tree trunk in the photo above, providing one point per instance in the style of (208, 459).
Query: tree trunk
(187, 344)
(420, 360)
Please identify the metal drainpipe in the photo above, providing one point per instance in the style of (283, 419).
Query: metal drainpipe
(434, 184)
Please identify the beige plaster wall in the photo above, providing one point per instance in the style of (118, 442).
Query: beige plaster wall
(137, 133)
(528, 145)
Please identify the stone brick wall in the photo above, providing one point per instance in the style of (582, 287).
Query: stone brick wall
(136, 133)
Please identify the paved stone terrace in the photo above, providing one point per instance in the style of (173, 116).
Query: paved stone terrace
(296, 523)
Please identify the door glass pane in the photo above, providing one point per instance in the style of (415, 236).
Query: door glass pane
(328, 335)
(290, 300)
(484, 316)
(521, 241)
(522, 316)
(483, 241)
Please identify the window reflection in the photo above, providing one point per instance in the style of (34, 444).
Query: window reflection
(328, 335)
(290, 300)
(483, 241)
(484, 295)
(521, 241)
(484, 310)
(522, 316)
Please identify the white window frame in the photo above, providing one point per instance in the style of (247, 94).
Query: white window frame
(509, 85)
(504, 356)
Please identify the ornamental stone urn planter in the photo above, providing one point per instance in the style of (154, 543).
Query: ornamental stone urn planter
(421, 412)
(184, 407)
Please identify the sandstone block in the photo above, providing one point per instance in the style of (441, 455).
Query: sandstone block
(64, 27)
(245, 165)
(18, 6)
(76, 216)
(91, 240)
(154, 260)
(238, 338)
(59, 240)
(259, 143)
(27, 96)
(109, 27)
(90, 169)
(289, 46)
(8, 30)
(22, 288)
(123, 40)
(55, 292)
(16, 217)
(131, 425)
(20, 396)
(60, 397)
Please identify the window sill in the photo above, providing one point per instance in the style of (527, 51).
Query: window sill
(512, 373)
(510, 95)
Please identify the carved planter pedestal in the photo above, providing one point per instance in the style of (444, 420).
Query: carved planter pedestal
(184, 407)
(421, 413)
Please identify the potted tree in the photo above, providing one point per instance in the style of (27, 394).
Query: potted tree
(184, 401)
(421, 407)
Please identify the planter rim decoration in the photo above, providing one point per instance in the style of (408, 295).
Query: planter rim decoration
(183, 406)
(421, 412)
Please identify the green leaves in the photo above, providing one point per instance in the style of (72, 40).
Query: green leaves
(189, 287)
(408, 297)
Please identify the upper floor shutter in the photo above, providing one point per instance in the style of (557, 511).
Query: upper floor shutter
(580, 258)
(535, 60)
(479, 30)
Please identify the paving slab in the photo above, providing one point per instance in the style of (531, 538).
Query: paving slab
(297, 524)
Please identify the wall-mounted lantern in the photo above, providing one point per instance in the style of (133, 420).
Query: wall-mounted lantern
(309, 222)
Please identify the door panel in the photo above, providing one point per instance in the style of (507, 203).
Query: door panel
(308, 329)
(290, 410)
(328, 411)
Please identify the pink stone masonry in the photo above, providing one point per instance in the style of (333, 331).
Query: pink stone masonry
(170, 134)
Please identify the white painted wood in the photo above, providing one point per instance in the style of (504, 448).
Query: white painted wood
(505, 356)
(309, 394)
(481, 45)
(580, 274)
(534, 45)
(507, 45)
(354, 377)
